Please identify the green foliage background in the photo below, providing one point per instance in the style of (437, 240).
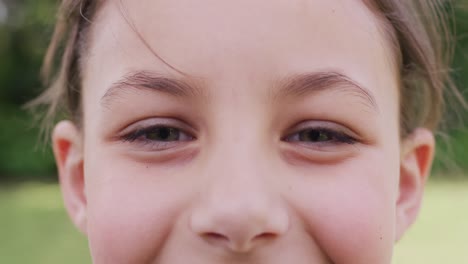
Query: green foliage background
(24, 35)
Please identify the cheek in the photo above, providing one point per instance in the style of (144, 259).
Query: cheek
(131, 209)
(349, 209)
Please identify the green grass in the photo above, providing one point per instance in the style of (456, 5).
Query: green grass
(34, 227)
(441, 233)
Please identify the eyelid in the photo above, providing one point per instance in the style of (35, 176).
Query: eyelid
(139, 133)
(336, 137)
(330, 152)
(135, 136)
(158, 121)
(323, 125)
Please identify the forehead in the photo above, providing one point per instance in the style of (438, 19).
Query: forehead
(235, 42)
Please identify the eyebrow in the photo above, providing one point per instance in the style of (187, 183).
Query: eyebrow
(151, 81)
(297, 86)
(308, 83)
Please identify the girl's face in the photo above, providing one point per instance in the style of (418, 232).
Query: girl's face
(240, 132)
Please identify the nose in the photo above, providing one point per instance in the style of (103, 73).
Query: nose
(239, 214)
(239, 225)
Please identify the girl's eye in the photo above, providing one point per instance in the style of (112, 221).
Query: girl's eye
(163, 134)
(320, 136)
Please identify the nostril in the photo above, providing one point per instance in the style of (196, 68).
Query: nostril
(214, 237)
(265, 236)
(237, 245)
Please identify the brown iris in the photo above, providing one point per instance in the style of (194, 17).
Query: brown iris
(313, 135)
(163, 134)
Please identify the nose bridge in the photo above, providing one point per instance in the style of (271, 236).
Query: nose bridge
(237, 146)
(239, 206)
(238, 184)
(238, 176)
(238, 166)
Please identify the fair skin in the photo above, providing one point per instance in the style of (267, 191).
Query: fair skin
(277, 142)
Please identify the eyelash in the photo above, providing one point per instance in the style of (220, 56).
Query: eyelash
(320, 136)
(333, 136)
(143, 136)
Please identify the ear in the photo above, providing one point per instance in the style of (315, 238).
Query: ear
(68, 152)
(417, 153)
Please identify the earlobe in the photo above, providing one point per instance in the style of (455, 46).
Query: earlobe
(417, 153)
(68, 152)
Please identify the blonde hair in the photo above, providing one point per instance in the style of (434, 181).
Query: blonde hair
(417, 29)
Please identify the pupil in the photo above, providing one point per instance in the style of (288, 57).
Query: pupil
(314, 136)
(163, 134)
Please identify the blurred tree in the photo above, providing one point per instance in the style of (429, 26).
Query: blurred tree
(452, 155)
(25, 27)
